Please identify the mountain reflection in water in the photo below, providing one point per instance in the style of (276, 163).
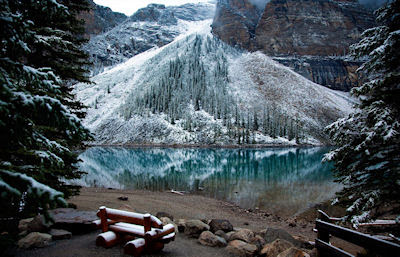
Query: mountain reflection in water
(279, 180)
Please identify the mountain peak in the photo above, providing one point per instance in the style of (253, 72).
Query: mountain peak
(154, 13)
(199, 90)
(152, 26)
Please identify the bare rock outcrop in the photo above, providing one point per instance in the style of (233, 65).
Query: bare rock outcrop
(310, 36)
(317, 28)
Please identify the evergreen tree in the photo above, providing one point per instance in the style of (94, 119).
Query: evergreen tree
(255, 121)
(39, 118)
(367, 158)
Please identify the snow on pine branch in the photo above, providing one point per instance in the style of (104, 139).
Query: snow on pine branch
(31, 186)
(50, 144)
(371, 39)
(49, 103)
(47, 156)
(46, 75)
(5, 187)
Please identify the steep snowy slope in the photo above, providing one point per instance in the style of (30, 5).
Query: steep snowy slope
(198, 90)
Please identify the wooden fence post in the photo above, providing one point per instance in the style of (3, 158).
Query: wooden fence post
(323, 235)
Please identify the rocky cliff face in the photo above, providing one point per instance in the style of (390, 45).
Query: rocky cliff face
(310, 36)
(310, 27)
(155, 13)
(100, 19)
(235, 22)
(153, 26)
(338, 73)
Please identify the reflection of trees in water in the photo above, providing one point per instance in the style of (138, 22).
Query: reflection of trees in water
(157, 169)
(240, 175)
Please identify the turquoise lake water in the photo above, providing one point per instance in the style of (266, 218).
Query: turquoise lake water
(280, 180)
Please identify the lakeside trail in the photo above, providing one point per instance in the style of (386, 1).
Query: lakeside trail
(186, 206)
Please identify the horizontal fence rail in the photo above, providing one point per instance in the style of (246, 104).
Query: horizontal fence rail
(325, 229)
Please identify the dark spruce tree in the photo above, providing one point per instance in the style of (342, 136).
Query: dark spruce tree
(40, 58)
(367, 157)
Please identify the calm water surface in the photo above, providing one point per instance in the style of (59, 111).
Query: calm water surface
(279, 180)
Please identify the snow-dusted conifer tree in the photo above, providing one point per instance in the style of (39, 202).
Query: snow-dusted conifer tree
(37, 126)
(367, 158)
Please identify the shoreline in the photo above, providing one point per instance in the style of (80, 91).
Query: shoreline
(192, 206)
(200, 146)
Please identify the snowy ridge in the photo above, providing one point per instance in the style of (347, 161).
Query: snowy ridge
(153, 26)
(238, 91)
(258, 78)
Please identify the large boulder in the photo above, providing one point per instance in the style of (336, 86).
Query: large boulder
(35, 224)
(240, 248)
(271, 234)
(34, 239)
(304, 242)
(58, 234)
(194, 228)
(222, 234)
(217, 224)
(207, 238)
(78, 222)
(166, 220)
(161, 214)
(181, 223)
(258, 241)
(293, 252)
(229, 235)
(245, 235)
(275, 248)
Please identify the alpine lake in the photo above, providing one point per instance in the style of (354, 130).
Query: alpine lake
(283, 181)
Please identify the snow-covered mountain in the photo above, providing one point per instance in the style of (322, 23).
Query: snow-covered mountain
(199, 90)
(153, 26)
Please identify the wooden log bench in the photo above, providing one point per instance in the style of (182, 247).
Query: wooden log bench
(146, 231)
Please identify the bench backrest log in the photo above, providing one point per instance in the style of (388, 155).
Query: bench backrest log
(146, 220)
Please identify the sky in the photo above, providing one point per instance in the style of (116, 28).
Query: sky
(129, 7)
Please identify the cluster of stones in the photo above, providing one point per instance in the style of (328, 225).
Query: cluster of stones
(37, 232)
(269, 242)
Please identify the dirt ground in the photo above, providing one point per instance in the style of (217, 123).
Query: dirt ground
(180, 207)
(188, 206)
(85, 246)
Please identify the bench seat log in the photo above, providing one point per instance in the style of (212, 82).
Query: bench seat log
(138, 246)
(158, 233)
(168, 238)
(107, 239)
(135, 247)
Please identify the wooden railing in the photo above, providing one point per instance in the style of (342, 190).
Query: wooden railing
(325, 229)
